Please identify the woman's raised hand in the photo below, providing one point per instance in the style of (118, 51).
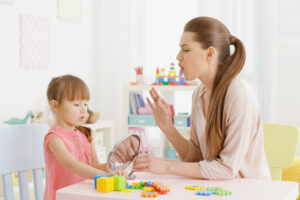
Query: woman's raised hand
(161, 110)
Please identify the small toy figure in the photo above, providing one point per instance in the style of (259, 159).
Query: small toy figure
(15, 121)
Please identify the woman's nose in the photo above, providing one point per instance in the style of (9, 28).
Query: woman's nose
(178, 57)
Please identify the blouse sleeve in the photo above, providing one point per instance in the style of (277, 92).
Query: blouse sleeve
(242, 119)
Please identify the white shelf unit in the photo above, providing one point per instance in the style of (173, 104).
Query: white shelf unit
(102, 132)
(167, 92)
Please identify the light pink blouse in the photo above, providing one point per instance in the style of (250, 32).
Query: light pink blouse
(58, 176)
(243, 154)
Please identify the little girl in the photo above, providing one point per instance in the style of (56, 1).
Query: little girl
(69, 154)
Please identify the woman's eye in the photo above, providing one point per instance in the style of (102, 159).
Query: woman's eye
(75, 104)
(185, 50)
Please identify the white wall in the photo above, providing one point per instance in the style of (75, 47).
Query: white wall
(72, 48)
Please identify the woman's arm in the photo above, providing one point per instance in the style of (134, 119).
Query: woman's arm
(64, 157)
(150, 163)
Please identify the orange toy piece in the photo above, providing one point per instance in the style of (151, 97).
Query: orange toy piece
(161, 188)
(149, 194)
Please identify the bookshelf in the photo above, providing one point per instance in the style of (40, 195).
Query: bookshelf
(166, 92)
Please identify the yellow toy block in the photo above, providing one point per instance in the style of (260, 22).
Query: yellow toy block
(105, 184)
(195, 187)
(126, 190)
(148, 189)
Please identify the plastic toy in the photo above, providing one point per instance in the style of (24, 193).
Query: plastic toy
(148, 189)
(214, 189)
(204, 193)
(161, 188)
(149, 194)
(105, 184)
(119, 182)
(195, 187)
(15, 121)
(99, 176)
(223, 193)
(128, 187)
(162, 78)
(126, 190)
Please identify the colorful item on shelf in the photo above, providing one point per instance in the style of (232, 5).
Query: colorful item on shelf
(170, 78)
(15, 121)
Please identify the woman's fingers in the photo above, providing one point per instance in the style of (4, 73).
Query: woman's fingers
(149, 102)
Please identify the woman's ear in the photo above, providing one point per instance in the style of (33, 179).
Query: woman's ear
(211, 52)
(54, 105)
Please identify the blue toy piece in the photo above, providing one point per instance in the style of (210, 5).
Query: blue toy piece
(204, 193)
(99, 176)
(128, 186)
(15, 121)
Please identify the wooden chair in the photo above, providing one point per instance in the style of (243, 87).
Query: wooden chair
(21, 150)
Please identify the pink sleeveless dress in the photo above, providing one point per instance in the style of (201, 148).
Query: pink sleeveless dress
(58, 176)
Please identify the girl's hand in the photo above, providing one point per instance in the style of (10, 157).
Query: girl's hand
(161, 110)
(149, 163)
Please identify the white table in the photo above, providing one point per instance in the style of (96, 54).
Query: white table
(242, 189)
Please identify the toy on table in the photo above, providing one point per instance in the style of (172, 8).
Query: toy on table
(149, 194)
(99, 176)
(105, 184)
(214, 189)
(195, 187)
(170, 78)
(15, 121)
(204, 193)
(161, 188)
(119, 182)
(223, 193)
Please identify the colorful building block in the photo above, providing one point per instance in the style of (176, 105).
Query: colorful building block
(119, 182)
(128, 187)
(204, 193)
(161, 188)
(214, 189)
(223, 192)
(105, 184)
(148, 189)
(195, 187)
(149, 194)
(99, 176)
(126, 190)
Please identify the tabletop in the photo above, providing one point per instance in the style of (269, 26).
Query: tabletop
(245, 189)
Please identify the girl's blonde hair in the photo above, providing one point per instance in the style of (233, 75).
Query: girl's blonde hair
(69, 87)
(210, 32)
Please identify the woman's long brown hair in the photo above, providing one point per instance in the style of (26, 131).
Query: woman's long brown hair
(210, 32)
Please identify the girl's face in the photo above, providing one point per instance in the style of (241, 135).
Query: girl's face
(72, 113)
(192, 58)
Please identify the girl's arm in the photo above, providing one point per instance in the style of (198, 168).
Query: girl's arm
(64, 157)
(95, 161)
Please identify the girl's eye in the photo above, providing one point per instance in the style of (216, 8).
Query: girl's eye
(75, 104)
(85, 104)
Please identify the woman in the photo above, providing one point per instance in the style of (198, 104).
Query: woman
(226, 139)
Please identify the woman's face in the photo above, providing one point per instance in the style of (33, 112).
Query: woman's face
(192, 58)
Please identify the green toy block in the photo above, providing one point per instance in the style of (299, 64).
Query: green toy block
(120, 182)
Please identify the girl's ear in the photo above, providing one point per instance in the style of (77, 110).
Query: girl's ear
(211, 52)
(54, 105)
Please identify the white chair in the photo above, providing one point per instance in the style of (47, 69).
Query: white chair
(21, 149)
